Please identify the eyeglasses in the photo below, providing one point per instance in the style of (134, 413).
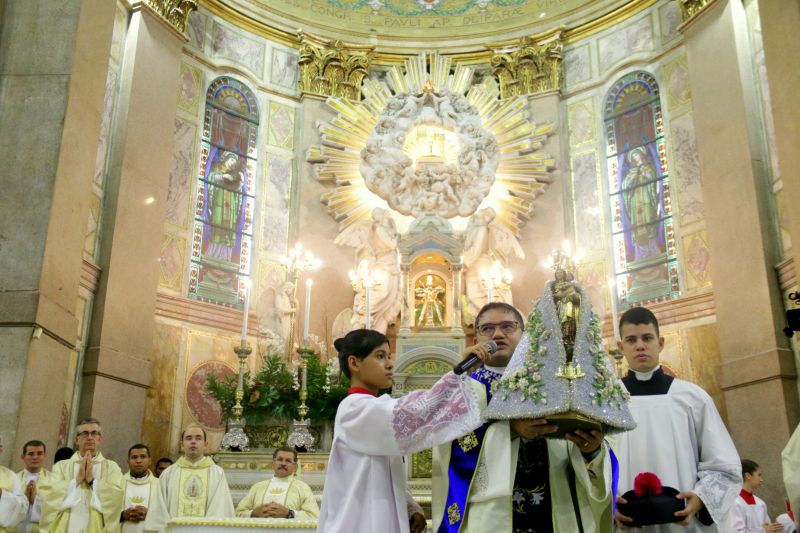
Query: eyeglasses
(507, 327)
(93, 434)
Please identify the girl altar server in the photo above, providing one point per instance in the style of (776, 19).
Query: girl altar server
(749, 513)
(365, 489)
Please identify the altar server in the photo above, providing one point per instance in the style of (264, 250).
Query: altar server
(194, 486)
(749, 512)
(680, 436)
(83, 493)
(365, 491)
(141, 488)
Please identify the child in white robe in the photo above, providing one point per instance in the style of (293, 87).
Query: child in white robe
(365, 489)
(749, 513)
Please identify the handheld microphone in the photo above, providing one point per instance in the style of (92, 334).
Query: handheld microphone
(462, 367)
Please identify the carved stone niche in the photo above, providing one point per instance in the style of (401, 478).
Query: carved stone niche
(430, 263)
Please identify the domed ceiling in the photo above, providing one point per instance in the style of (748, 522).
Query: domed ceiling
(391, 24)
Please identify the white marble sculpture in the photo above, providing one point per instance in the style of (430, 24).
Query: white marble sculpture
(485, 237)
(448, 189)
(375, 241)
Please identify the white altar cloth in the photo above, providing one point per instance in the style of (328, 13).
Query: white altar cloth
(232, 525)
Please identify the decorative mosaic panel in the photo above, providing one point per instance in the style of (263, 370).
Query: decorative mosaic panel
(697, 258)
(581, 117)
(173, 253)
(229, 44)
(225, 201)
(189, 83)
(180, 177)
(675, 74)
(283, 70)
(643, 234)
(281, 126)
(587, 201)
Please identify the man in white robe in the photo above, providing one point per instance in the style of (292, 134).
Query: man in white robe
(192, 487)
(13, 503)
(282, 496)
(141, 488)
(518, 478)
(34, 453)
(83, 493)
(790, 459)
(680, 436)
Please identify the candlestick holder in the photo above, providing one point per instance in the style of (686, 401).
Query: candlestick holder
(235, 438)
(300, 436)
(617, 355)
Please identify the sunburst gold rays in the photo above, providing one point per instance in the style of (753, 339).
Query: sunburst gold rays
(417, 70)
(521, 175)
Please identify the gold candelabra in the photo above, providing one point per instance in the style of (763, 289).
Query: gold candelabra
(300, 436)
(235, 438)
(362, 281)
(297, 261)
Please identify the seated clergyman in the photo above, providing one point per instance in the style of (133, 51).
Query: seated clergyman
(284, 495)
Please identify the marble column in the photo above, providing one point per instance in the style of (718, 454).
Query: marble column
(757, 367)
(117, 368)
(405, 328)
(53, 65)
(457, 299)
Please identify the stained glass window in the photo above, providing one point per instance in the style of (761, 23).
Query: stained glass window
(222, 237)
(643, 235)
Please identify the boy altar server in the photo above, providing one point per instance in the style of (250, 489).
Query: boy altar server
(680, 436)
(141, 488)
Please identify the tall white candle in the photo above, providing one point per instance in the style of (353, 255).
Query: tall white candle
(490, 289)
(246, 310)
(612, 289)
(309, 282)
(368, 304)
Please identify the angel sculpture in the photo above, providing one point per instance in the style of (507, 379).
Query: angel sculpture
(484, 238)
(375, 241)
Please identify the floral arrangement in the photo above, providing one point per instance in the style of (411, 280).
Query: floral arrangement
(273, 394)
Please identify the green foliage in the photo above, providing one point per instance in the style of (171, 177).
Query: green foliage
(271, 394)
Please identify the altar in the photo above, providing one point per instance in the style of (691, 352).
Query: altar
(271, 525)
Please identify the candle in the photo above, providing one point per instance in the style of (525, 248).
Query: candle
(309, 282)
(490, 289)
(612, 289)
(246, 310)
(368, 313)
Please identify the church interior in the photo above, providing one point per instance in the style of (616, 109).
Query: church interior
(218, 189)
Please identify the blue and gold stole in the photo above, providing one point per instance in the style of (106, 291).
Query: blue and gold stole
(464, 456)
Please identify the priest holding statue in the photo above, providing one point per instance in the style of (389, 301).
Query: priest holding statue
(540, 463)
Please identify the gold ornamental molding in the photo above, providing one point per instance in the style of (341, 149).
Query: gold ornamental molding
(396, 57)
(329, 68)
(175, 12)
(532, 66)
(690, 8)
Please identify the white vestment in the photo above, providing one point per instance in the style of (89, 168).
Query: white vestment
(489, 505)
(138, 491)
(746, 518)
(200, 487)
(31, 522)
(13, 503)
(290, 492)
(71, 508)
(681, 438)
(365, 489)
(790, 458)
